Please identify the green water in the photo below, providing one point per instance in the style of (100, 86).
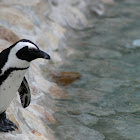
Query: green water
(107, 97)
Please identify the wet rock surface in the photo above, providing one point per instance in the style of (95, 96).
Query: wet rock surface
(64, 78)
(79, 133)
(99, 39)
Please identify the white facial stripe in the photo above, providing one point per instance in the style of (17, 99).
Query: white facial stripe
(13, 61)
(20, 45)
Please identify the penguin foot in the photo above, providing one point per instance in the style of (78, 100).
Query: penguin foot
(6, 125)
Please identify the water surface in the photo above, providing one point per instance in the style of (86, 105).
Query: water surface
(107, 97)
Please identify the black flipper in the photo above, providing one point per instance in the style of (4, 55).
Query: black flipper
(24, 92)
(5, 124)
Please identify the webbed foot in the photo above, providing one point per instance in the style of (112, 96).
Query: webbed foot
(5, 124)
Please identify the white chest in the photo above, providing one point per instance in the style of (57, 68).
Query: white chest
(9, 88)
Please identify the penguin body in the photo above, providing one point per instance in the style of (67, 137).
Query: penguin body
(14, 62)
(9, 87)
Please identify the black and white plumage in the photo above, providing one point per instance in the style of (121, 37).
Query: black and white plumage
(14, 62)
(24, 92)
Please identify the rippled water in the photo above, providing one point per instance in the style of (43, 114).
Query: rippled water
(107, 97)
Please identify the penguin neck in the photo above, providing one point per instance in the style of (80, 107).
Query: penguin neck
(14, 65)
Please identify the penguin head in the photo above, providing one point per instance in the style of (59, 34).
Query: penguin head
(20, 54)
(28, 51)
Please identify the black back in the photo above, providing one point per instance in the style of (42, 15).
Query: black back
(4, 57)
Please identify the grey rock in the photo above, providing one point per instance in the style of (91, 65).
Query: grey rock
(79, 133)
(87, 119)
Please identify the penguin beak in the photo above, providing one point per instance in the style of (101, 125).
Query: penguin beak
(30, 54)
(42, 54)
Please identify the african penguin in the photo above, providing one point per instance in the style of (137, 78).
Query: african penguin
(14, 62)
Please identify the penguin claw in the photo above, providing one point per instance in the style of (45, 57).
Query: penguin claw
(10, 123)
(7, 125)
(6, 129)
